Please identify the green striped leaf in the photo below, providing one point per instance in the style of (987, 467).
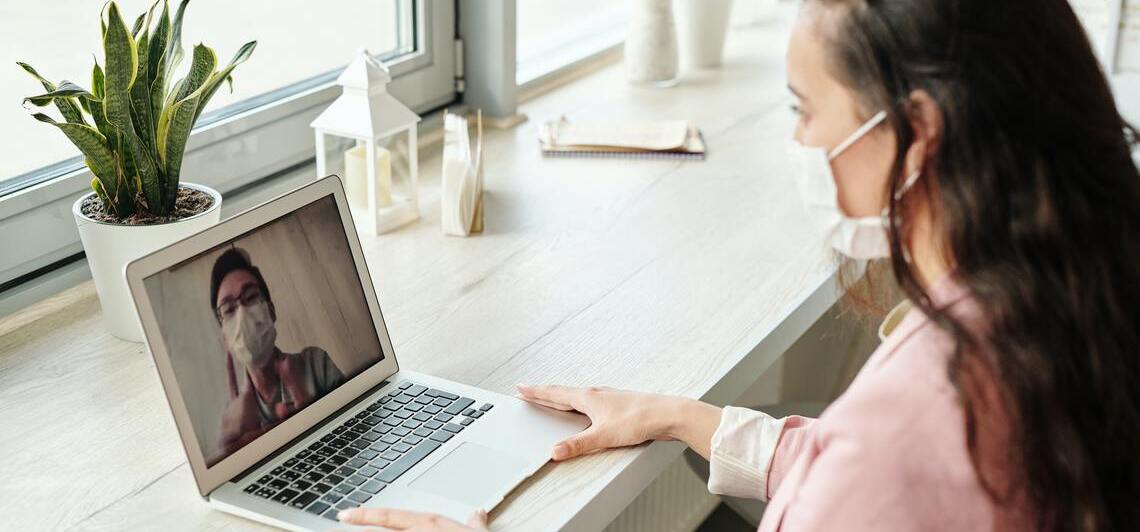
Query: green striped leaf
(202, 65)
(156, 62)
(68, 108)
(66, 89)
(99, 157)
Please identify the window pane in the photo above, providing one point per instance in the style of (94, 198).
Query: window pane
(297, 39)
(552, 33)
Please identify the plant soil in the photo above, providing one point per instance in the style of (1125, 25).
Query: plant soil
(188, 203)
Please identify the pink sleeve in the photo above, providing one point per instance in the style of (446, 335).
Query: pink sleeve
(795, 438)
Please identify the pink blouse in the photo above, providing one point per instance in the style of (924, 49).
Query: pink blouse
(889, 454)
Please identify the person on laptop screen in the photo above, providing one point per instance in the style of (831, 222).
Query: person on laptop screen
(266, 385)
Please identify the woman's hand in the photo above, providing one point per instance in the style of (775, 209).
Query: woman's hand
(621, 418)
(415, 521)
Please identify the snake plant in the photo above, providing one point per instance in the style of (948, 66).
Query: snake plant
(139, 121)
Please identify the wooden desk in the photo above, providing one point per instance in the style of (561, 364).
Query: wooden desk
(686, 278)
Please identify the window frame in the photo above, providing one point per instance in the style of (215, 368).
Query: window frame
(230, 151)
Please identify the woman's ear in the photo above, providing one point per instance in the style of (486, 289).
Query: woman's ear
(926, 123)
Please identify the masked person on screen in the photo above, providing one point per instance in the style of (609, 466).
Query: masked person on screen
(266, 385)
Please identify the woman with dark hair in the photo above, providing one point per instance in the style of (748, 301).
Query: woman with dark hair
(976, 145)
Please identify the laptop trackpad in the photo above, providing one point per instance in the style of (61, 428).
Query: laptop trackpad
(471, 473)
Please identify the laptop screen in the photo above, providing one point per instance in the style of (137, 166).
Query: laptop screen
(262, 326)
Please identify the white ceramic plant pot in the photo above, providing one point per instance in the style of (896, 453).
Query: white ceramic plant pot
(110, 247)
(702, 26)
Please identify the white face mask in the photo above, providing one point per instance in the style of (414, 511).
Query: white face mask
(859, 238)
(250, 334)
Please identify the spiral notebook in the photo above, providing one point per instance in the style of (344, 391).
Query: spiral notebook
(674, 139)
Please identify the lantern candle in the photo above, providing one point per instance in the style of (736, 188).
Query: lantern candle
(356, 176)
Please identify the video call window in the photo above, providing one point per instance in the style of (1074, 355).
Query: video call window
(262, 326)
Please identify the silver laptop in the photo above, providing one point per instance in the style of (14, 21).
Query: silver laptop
(272, 349)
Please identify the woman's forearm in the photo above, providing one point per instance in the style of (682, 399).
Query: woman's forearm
(693, 422)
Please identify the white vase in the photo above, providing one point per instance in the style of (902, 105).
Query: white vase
(702, 26)
(651, 44)
(110, 247)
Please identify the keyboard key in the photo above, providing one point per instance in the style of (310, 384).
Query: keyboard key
(415, 389)
(359, 496)
(368, 471)
(422, 432)
(346, 504)
(458, 406)
(320, 487)
(370, 437)
(277, 483)
(445, 395)
(433, 424)
(300, 485)
(390, 455)
(486, 407)
(444, 417)
(252, 488)
(379, 447)
(277, 470)
(343, 489)
(303, 467)
(337, 460)
(476, 414)
(369, 454)
(290, 462)
(466, 421)
(372, 487)
(380, 463)
(265, 493)
(401, 431)
(423, 400)
(452, 427)
(372, 421)
(284, 496)
(317, 508)
(413, 407)
(331, 515)
(390, 439)
(406, 462)
(355, 480)
(290, 475)
(304, 453)
(265, 479)
(412, 439)
(392, 422)
(441, 436)
(403, 399)
(303, 500)
(432, 409)
(405, 385)
(356, 463)
(313, 476)
(468, 412)
(401, 447)
(331, 497)
(421, 416)
(344, 471)
(326, 468)
(411, 424)
(440, 401)
(404, 413)
(333, 479)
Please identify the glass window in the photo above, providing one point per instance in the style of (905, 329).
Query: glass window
(554, 33)
(297, 41)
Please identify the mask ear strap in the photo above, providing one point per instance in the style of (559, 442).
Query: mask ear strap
(910, 180)
(858, 134)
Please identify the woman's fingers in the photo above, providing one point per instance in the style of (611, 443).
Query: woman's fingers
(552, 393)
(385, 517)
(478, 520)
(587, 441)
(548, 404)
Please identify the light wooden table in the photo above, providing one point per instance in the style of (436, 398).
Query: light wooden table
(685, 278)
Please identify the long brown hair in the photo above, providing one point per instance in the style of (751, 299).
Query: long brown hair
(1037, 198)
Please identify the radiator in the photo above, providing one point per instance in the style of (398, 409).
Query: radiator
(676, 502)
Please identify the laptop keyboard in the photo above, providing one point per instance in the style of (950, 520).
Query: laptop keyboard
(360, 457)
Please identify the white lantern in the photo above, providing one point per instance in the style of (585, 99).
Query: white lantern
(380, 172)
